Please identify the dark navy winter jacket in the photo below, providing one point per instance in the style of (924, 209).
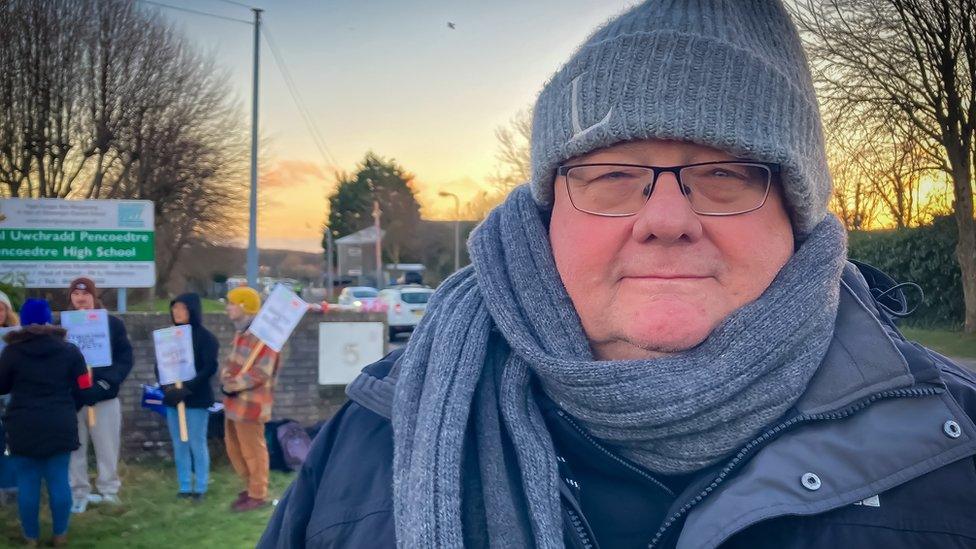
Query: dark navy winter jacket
(44, 375)
(878, 452)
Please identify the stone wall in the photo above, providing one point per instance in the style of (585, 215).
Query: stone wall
(298, 395)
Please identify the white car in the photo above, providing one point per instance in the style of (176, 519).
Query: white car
(405, 306)
(361, 298)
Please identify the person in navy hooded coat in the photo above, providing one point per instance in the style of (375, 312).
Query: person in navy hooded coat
(192, 457)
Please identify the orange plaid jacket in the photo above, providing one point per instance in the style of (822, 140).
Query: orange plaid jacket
(251, 393)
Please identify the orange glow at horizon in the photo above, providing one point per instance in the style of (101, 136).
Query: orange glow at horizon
(295, 202)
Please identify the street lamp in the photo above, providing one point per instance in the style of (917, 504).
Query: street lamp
(457, 227)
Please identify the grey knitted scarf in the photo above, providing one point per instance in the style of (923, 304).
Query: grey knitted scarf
(473, 458)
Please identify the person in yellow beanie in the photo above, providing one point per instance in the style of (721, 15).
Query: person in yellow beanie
(247, 298)
(248, 397)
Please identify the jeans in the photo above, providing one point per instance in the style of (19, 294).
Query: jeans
(8, 473)
(54, 471)
(191, 456)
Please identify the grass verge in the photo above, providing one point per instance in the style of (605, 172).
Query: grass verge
(152, 516)
(949, 343)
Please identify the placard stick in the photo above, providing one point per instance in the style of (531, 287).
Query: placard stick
(91, 409)
(250, 359)
(181, 415)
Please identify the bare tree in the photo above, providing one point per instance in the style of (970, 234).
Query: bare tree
(105, 100)
(878, 169)
(916, 58)
(896, 165)
(41, 95)
(481, 205)
(191, 166)
(853, 199)
(513, 154)
(514, 165)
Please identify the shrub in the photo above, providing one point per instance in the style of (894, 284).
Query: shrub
(924, 255)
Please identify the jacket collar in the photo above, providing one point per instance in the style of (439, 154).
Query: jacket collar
(880, 444)
(374, 388)
(34, 331)
(861, 359)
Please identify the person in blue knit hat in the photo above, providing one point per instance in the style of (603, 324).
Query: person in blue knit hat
(660, 342)
(46, 377)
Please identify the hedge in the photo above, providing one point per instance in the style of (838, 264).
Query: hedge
(924, 255)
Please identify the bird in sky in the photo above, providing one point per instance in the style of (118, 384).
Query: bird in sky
(451, 25)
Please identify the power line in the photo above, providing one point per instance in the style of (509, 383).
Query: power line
(303, 109)
(195, 12)
(233, 3)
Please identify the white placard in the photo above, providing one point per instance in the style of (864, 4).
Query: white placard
(345, 348)
(174, 354)
(5, 331)
(47, 242)
(278, 317)
(88, 330)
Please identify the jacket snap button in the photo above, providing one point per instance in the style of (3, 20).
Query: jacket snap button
(952, 429)
(810, 481)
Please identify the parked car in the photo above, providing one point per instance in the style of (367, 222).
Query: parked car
(405, 306)
(271, 283)
(363, 298)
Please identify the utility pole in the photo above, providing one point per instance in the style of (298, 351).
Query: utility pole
(252, 238)
(457, 228)
(379, 242)
(330, 282)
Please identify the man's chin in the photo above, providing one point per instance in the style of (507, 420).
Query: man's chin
(669, 334)
(641, 345)
(661, 346)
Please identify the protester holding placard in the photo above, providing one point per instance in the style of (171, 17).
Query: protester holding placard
(247, 380)
(48, 380)
(107, 431)
(192, 457)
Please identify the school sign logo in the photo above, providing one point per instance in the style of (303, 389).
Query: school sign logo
(130, 214)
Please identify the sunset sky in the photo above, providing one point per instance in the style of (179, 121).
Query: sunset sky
(388, 76)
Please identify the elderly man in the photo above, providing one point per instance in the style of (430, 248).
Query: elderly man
(660, 342)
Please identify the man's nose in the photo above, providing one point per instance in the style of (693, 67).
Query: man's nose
(667, 216)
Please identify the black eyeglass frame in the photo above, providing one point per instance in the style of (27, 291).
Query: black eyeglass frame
(774, 169)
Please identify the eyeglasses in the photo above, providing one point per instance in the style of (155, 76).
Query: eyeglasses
(712, 188)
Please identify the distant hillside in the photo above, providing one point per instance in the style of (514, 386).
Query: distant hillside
(198, 266)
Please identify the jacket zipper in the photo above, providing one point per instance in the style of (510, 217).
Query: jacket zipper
(756, 442)
(611, 455)
(577, 521)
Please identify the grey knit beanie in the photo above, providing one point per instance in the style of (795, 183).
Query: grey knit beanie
(729, 74)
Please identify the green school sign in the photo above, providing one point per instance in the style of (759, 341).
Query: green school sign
(47, 243)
